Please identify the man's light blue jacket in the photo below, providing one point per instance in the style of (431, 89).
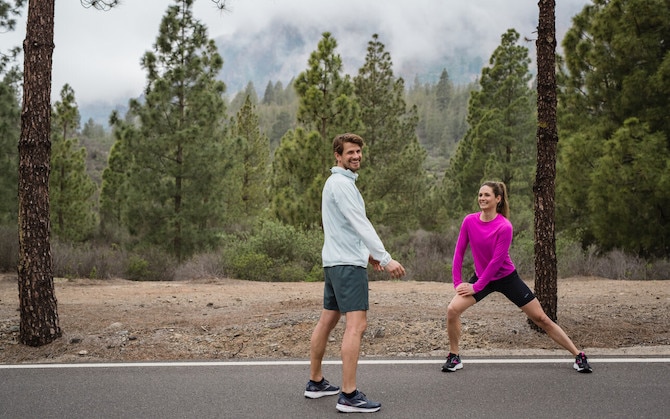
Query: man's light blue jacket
(349, 236)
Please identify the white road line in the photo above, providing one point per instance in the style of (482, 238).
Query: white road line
(622, 359)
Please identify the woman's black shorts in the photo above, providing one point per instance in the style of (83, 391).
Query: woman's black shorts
(512, 286)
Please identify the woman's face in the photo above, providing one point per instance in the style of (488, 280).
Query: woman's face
(487, 199)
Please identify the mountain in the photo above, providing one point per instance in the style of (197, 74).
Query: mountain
(280, 51)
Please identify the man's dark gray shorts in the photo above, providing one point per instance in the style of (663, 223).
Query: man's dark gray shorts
(345, 288)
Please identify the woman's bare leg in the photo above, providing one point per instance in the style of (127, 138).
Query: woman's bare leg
(456, 307)
(535, 312)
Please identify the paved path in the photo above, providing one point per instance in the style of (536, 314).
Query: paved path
(485, 388)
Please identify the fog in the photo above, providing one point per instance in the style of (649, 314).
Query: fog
(98, 53)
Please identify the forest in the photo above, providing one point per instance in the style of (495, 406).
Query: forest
(191, 182)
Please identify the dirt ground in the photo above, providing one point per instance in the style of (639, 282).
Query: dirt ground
(225, 319)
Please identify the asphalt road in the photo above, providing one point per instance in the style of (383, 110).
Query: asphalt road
(485, 388)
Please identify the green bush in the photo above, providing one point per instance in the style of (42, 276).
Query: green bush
(291, 272)
(137, 269)
(252, 266)
(150, 265)
(315, 274)
(272, 252)
(285, 243)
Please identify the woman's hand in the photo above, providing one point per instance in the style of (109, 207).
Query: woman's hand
(465, 289)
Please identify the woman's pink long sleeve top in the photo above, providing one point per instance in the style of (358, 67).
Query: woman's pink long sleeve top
(489, 243)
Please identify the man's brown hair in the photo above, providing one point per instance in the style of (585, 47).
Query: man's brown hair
(338, 142)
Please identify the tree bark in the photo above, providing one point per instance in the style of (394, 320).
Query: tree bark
(547, 139)
(37, 300)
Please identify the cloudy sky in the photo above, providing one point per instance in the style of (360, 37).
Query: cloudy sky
(98, 53)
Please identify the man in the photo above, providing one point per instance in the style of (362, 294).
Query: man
(350, 243)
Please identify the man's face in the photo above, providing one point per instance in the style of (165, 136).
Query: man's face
(351, 157)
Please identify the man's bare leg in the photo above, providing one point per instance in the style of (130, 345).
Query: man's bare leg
(351, 347)
(319, 340)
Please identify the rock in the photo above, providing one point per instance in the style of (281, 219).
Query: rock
(378, 333)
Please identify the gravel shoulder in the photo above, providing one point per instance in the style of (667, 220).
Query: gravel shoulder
(224, 319)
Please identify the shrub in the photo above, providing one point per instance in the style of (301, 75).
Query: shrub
(291, 272)
(9, 248)
(427, 256)
(571, 260)
(137, 269)
(87, 261)
(285, 243)
(315, 274)
(252, 266)
(522, 252)
(150, 265)
(206, 265)
(281, 252)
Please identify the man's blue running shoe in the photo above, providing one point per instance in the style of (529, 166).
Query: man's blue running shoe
(357, 403)
(315, 390)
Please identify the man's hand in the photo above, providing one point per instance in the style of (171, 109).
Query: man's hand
(375, 264)
(395, 269)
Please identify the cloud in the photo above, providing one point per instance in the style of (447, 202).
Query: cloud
(98, 53)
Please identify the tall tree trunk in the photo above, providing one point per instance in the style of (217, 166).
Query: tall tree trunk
(37, 300)
(547, 139)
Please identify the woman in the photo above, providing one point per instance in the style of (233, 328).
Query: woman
(489, 234)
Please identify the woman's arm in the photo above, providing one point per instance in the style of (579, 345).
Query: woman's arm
(503, 241)
(459, 253)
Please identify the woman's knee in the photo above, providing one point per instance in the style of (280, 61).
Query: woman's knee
(541, 319)
(454, 311)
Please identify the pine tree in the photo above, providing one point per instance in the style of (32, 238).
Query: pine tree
(10, 130)
(113, 189)
(629, 176)
(546, 270)
(616, 68)
(249, 93)
(37, 301)
(269, 94)
(442, 115)
(443, 90)
(392, 179)
(277, 112)
(10, 116)
(298, 179)
(9, 11)
(253, 150)
(71, 188)
(174, 160)
(500, 141)
(327, 108)
(327, 104)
